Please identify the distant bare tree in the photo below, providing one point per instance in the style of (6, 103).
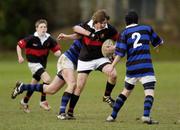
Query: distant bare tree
(172, 16)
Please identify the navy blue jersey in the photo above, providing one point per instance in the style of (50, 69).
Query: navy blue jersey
(134, 41)
(73, 52)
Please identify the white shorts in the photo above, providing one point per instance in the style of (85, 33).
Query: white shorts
(34, 67)
(143, 80)
(91, 65)
(64, 63)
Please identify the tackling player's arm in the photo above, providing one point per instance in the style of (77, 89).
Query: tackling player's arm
(80, 30)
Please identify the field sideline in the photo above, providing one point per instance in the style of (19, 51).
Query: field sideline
(91, 112)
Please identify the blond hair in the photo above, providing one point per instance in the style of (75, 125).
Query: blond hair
(40, 21)
(100, 16)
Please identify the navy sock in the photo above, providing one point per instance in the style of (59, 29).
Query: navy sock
(109, 88)
(148, 102)
(31, 87)
(43, 97)
(118, 104)
(28, 96)
(64, 101)
(72, 104)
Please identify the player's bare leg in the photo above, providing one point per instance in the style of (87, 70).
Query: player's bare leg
(70, 78)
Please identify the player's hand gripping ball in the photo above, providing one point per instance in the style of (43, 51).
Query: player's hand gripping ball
(108, 48)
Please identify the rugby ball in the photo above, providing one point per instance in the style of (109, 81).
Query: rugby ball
(108, 48)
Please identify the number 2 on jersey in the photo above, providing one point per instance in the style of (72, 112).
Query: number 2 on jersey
(137, 37)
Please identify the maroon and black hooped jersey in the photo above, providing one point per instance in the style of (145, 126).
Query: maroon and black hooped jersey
(37, 52)
(91, 49)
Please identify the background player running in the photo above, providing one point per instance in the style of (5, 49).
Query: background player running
(37, 47)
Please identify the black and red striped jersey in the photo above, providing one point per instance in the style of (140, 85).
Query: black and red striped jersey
(37, 51)
(91, 48)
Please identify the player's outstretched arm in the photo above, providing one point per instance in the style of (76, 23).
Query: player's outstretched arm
(63, 36)
(81, 30)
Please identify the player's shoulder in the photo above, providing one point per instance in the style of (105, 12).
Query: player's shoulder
(51, 39)
(86, 23)
(147, 27)
(29, 37)
(124, 31)
(111, 27)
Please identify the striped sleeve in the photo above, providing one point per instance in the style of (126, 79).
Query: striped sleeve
(155, 39)
(22, 43)
(113, 33)
(121, 46)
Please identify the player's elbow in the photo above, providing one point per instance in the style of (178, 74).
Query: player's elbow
(57, 53)
(75, 28)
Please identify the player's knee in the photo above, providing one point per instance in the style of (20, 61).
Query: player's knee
(149, 92)
(47, 80)
(71, 87)
(50, 91)
(129, 86)
(73, 84)
(113, 77)
(78, 91)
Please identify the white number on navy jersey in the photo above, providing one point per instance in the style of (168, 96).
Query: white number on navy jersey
(137, 37)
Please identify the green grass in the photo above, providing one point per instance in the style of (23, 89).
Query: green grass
(91, 112)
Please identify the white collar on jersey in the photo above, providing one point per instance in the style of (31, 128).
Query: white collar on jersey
(131, 25)
(42, 38)
(90, 23)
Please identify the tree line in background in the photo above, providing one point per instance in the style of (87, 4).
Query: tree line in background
(17, 17)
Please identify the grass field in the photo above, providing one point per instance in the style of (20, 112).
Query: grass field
(91, 112)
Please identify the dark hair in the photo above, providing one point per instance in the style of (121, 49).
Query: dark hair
(100, 16)
(131, 17)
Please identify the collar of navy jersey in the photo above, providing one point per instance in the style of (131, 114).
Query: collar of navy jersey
(90, 23)
(42, 38)
(131, 25)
